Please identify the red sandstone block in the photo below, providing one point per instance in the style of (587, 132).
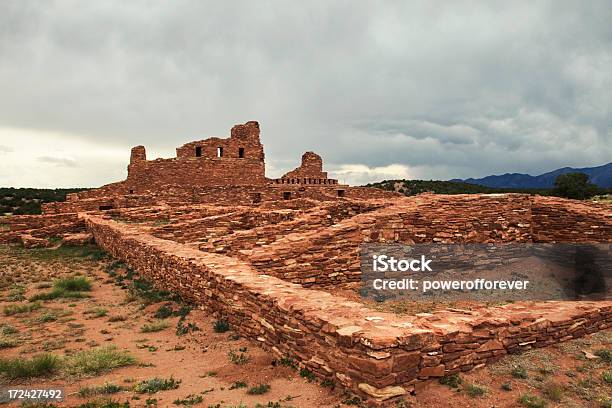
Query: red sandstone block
(402, 362)
(437, 371)
(372, 366)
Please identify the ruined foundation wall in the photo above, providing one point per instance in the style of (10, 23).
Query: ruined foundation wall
(560, 220)
(330, 255)
(377, 355)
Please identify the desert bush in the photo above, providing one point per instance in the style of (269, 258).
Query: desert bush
(452, 380)
(154, 327)
(98, 360)
(519, 372)
(19, 308)
(259, 389)
(552, 391)
(156, 384)
(532, 401)
(221, 326)
(39, 366)
(475, 390)
(74, 284)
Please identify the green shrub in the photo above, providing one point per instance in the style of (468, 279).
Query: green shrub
(259, 389)
(7, 342)
(39, 366)
(97, 312)
(552, 391)
(221, 326)
(107, 388)
(519, 372)
(154, 327)
(532, 401)
(238, 384)
(189, 400)
(506, 387)
(605, 355)
(163, 312)
(306, 373)
(238, 358)
(475, 390)
(7, 329)
(287, 361)
(606, 377)
(156, 384)
(10, 310)
(452, 380)
(97, 361)
(104, 403)
(74, 284)
(58, 293)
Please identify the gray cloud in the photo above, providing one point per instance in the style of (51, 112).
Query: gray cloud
(58, 161)
(447, 89)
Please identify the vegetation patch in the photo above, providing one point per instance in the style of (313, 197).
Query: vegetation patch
(259, 389)
(156, 384)
(98, 360)
(10, 310)
(475, 390)
(604, 354)
(519, 372)
(189, 400)
(452, 380)
(154, 327)
(532, 401)
(239, 358)
(552, 391)
(221, 326)
(75, 284)
(42, 365)
(106, 389)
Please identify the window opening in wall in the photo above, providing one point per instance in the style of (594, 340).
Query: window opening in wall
(199, 151)
(286, 195)
(241, 152)
(256, 198)
(340, 193)
(105, 207)
(219, 152)
(131, 191)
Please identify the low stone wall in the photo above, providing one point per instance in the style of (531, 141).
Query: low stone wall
(560, 220)
(30, 229)
(377, 355)
(327, 256)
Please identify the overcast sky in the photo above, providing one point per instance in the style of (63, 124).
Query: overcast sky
(428, 90)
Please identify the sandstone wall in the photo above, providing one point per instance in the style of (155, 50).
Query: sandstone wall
(327, 256)
(376, 355)
(560, 220)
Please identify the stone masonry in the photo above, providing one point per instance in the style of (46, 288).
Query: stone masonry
(209, 225)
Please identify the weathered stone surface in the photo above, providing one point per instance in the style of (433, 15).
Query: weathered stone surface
(231, 240)
(382, 394)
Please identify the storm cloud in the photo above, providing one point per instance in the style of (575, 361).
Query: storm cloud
(381, 90)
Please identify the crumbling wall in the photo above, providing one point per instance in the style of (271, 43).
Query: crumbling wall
(330, 255)
(36, 230)
(376, 355)
(561, 220)
(319, 217)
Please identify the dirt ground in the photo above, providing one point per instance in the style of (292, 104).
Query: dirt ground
(216, 368)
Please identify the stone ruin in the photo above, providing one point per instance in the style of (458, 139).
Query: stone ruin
(266, 255)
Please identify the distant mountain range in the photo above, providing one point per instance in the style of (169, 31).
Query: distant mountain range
(600, 175)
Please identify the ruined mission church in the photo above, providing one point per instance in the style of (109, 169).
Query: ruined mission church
(213, 170)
